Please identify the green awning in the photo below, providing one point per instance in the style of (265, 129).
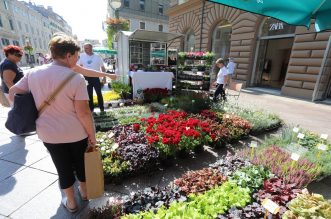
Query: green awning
(294, 12)
(104, 50)
(160, 53)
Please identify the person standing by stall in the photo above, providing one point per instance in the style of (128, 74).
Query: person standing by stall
(221, 79)
(93, 61)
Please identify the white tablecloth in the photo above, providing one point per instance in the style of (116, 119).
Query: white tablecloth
(143, 80)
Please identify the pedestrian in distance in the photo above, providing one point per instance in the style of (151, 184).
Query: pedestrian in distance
(221, 79)
(66, 125)
(9, 70)
(93, 61)
(231, 67)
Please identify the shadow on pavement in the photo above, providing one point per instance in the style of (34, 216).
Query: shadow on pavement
(8, 169)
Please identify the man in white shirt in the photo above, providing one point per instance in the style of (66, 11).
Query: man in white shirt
(231, 68)
(221, 78)
(92, 61)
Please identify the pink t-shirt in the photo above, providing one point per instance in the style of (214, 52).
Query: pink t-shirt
(59, 122)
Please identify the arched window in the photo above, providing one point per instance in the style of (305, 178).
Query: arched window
(189, 42)
(221, 40)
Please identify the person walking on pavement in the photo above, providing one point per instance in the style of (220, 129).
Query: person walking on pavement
(220, 81)
(66, 126)
(93, 61)
(10, 72)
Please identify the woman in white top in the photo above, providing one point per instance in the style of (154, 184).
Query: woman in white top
(221, 78)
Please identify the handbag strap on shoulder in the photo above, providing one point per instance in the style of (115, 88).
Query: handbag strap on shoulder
(51, 97)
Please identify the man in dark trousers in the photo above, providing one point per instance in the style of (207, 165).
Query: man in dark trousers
(93, 61)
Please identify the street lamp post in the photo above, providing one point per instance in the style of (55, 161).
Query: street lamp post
(115, 4)
(29, 49)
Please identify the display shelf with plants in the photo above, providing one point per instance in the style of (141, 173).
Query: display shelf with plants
(194, 70)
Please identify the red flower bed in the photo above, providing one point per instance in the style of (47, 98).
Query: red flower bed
(173, 132)
(155, 94)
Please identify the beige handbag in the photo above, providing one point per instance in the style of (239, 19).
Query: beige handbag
(3, 99)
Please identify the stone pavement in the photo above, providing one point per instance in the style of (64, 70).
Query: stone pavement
(29, 183)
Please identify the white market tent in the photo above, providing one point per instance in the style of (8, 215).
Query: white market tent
(123, 39)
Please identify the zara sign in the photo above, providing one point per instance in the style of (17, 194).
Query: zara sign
(276, 26)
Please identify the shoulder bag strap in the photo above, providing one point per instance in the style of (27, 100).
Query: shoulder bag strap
(51, 97)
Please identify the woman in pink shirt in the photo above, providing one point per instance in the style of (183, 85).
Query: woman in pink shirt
(66, 125)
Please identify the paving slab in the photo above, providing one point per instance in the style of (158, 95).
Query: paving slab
(47, 205)
(136, 183)
(11, 143)
(8, 169)
(309, 115)
(45, 164)
(28, 155)
(321, 188)
(17, 190)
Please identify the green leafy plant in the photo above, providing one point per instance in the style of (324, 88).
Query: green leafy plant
(191, 103)
(209, 205)
(121, 88)
(251, 177)
(309, 206)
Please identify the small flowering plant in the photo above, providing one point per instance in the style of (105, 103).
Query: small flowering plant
(173, 132)
(208, 56)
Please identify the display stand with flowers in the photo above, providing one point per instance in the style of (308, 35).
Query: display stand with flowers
(194, 70)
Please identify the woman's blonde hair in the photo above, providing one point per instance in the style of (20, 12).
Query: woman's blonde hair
(62, 44)
(220, 61)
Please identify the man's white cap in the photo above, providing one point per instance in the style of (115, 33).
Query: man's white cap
(231, 59)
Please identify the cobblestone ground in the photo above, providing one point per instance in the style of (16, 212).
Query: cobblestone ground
(29, 183)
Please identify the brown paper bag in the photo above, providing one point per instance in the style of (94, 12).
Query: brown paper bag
(94, 174)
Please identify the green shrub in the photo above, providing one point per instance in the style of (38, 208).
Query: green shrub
(190, 103)
(123, 89)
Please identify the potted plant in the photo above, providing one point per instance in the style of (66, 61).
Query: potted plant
(122, 89)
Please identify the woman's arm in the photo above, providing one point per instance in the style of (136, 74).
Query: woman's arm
(92, 73)
(8, 77)
(14, 90)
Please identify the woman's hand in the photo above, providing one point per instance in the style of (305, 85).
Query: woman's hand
(91, 143)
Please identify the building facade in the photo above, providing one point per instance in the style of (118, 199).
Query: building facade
(21, 24)
(143, 14)
(56, 22)
(268, 52)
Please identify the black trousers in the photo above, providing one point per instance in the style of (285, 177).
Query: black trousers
(219, 90)
(95, 83)
(68, 158)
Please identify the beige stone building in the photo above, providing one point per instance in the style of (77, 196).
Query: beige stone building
(269, 53)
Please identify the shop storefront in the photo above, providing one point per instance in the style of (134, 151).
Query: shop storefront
(268, 52)
(274, 45)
